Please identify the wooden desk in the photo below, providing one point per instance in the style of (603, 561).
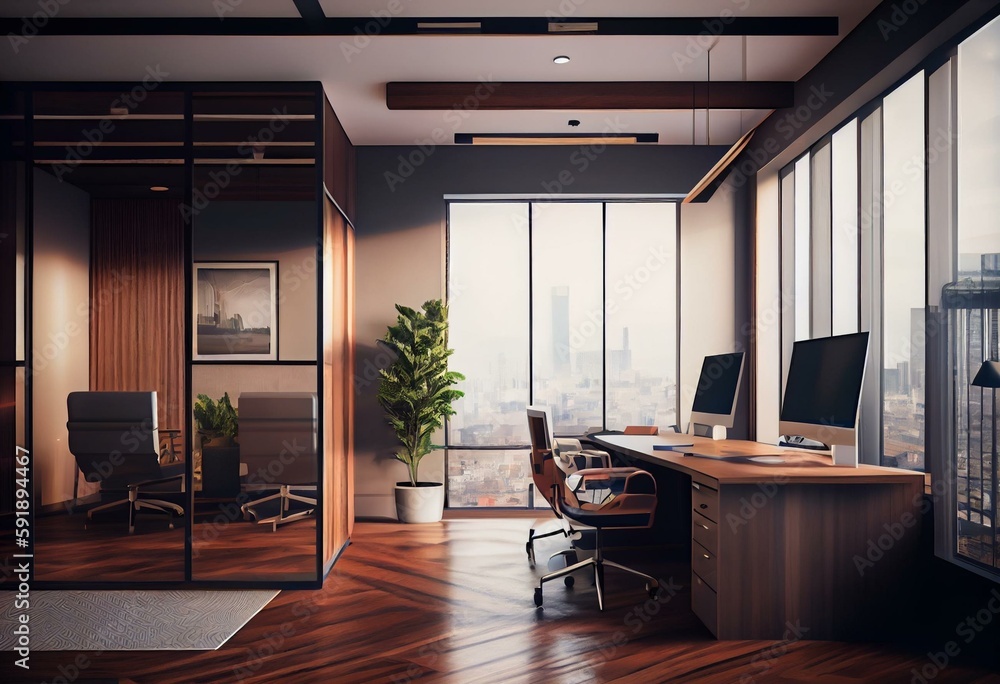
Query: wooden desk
(802, 543)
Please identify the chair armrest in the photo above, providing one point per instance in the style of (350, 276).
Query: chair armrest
(606, 473)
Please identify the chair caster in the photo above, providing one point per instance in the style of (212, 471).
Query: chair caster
(538, 597)
(569, 581)
(531, 553)
(653, 589)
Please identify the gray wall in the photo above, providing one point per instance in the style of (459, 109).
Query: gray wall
(401, 256)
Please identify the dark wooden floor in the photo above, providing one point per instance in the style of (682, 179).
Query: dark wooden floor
(69, 548)
(453, 602)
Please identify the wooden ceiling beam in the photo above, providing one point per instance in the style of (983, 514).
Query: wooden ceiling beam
(624, 95)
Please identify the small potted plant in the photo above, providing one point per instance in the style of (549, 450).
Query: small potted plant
(217, 461)
(217, 422)
(415, 392)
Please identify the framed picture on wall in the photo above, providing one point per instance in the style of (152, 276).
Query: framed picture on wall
(235, 311)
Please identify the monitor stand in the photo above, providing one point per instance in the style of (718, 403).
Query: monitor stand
(846, 456)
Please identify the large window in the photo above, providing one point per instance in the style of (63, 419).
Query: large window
(856, 201)
(974, 318)
(569, 305)
(914, 254)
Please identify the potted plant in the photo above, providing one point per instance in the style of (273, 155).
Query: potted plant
(415, 392)
(217, 422)
(217, 462)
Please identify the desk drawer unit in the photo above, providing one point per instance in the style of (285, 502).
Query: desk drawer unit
(705, 565)
(705, 500)
(704, 551)
(705, 532)
(705, 604)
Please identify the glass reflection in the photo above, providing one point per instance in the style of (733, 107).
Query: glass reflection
(107, 323)
(254, 376)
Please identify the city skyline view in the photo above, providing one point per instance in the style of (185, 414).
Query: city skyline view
(598, 358)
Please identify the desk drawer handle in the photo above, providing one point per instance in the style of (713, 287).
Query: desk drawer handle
(704, 527)
(706, 556)
(703, 506)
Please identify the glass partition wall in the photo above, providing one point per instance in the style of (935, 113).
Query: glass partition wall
(255, 237)
(163, 240)
(13, 405)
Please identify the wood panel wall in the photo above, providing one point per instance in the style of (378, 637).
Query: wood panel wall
(137, 292)
(338, 336)
(339, 160)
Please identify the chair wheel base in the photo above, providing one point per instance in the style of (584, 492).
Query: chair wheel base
(569, 581)
(538, 597)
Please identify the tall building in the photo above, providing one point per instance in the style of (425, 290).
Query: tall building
(621, 359)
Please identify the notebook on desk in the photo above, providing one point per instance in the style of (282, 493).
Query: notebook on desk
(669, 441)
(765, 459)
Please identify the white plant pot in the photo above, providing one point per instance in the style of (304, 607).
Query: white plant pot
(421, 504)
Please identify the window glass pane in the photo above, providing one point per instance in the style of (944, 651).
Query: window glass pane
(845, 229)
(787, 269)
(803, 256)
(903, 296)
(486, 479)
(821, 278)
(488, 316)
(974, 327)
(567, 303)
(641, 305)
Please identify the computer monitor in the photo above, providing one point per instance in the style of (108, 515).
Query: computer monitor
(718, 386)
(823, 392)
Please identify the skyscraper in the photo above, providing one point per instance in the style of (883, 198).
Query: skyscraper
(621, 359)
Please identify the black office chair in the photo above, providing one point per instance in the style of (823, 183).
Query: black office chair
(116, 443)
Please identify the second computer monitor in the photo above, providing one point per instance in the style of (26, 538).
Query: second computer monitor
(718, 386)
(823, 389)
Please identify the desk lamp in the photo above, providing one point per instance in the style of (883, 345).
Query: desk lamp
(989, 376)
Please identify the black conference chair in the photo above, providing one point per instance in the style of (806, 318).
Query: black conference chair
(116, 443)
(278, 438)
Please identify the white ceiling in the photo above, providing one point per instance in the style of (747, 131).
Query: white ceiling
(355, 70)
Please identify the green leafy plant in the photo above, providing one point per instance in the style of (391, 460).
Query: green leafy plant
(415, 390)
(219, 419)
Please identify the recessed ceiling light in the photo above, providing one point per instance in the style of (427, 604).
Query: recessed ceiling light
(561, 59)
(158, 188)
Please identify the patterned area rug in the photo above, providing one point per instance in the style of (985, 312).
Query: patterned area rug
(132, 620)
